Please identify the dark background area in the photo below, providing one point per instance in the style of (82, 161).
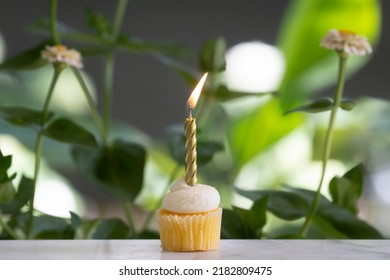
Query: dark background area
(143, 87)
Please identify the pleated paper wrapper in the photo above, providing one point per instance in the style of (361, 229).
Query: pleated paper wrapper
(189, 232)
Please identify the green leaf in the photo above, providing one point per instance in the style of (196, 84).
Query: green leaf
(98, 22)
(310, 67)
(248, 219)
(317, 106)
(5, 164)
(253, 133)
(285, 231)
(205, 149)
(187, 74)
(23, 116)
(44, 227)
(327, 228)
(231, 225)
(345, 191)
(86, 229)
(212, 55)
(147, 234)
(66, 131)
(224, 93)
(75, 222)
(347, 104)
(7, 192)
(120, 167)
(49, 227)
(285, 205)
(258, 216)
(347, 223)
(242, 223)
(22, 197)
(111, 229)
(340, 219)
(27, 60)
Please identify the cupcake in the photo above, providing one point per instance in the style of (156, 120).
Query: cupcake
(190, 218)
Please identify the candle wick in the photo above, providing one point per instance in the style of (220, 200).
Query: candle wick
(189, 110)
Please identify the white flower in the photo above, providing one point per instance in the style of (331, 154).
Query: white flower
(62, 54)
(347, 42)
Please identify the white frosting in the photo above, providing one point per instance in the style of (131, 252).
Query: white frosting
(190, 199)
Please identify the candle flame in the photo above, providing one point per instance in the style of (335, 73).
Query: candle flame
(196, 92)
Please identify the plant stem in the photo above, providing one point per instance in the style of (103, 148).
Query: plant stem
(120, 13)
(109, 64)
(328, 142)
(91, 104)
(149, 218)
(38, 147)
(127, 207)
(53, 22)
(108, 86)
(7, 229)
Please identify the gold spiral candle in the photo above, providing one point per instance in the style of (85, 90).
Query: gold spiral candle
(190, 135)
(190, 151)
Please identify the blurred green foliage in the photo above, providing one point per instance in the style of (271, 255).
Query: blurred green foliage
(138, 170)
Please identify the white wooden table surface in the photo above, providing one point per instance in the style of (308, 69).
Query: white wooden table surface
(229, 249)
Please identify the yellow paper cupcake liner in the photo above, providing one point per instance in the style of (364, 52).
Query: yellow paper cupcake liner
(190, 232)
